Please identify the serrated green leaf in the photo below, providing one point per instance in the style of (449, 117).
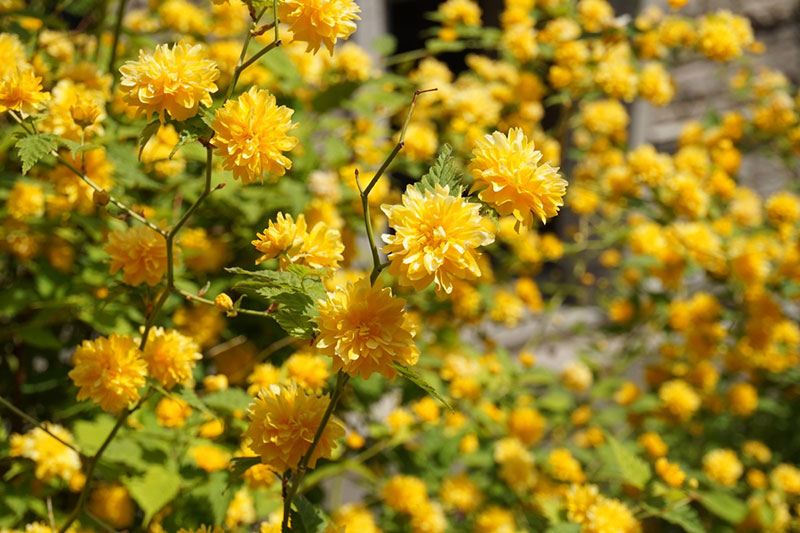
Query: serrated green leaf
(684, 516)
(420, 382)
(307, 518)
(190, 396)
(147, 132)
(630, 467)
(154, 490)
(442, 173)
(239, 465)
(32, 148)
(724, 505)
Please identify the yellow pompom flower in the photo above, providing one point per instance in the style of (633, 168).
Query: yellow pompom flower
(527, 425)
(283, 421)
(679, 399)
(21, 91)
(250, 134)
(171, 80)
(610, 516)
(365, 329)
(352, 518)
(112, 503)
(321, 247)
(109, 370)
(140, 252)
(25, 200)
(723, 466)
(579, 500)
(508, 170)
(435, 238)
(404, 494)
(172, 412)
(671, 473)
(210, 458)
(319, 22)
(461, 493)
(743, 399)
(308, 370)
(565, 467)
(170, 356)
(52, 457)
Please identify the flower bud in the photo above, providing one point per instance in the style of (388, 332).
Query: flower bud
(101, 198)
(84, 112)
(223, 302)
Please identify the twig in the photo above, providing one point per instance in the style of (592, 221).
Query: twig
(341, 382)
(117, 29)
(13, 408)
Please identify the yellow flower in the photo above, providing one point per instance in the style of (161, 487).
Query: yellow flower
(671, 473)
(610, 516)
(283, 421)
(461, 493)
(653, 444)
(111, 503)
(172, 80)
(308, 371)
(250, 133)
(52, 457)
(581, 498)
(319, 22)
(404, 494)
(109, 371)
(322, 247)
(435, 238)
(577, 376)
(679, 399)
(495, 519)
(787, 478)
(722, 36)
(210, 458)
(723, 466)
(428, 518)
(565, 467)
(241, 510)
(456, 12)
(21, 91)
(140, 252)
(526, 424)
(25, 200)
(172, 412)
(170, 356)
(352, 518)
(365, 329)
(508, 170)
(743, 399)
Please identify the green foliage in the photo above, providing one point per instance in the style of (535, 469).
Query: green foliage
(307, 518)
(31, 148)
(153, 490)
(420, 382)
(294, 291)
(724, 505)
(147, 132)
(443, 173)
(624, 464)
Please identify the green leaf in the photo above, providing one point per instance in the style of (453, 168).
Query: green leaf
(724, 505)
(190, 396)
(32, 148)
(333, 97)
(385, 44)
(215, 495)
(564, 527)
(239, 465)
(154, 490)
(420, 382)
(228, 400)
(442, 173)
(631, 468)
(308, 518)
(90, 434)
(147, 132)
(684, 516)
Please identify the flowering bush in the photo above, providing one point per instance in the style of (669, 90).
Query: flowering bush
(202, 330)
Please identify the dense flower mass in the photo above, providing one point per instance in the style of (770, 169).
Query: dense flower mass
(109, 371)
(283, 421)
(140, 253)
(365, 329)
(436, 236)
(251, 134)
(170, 356)
(174, 80)
(319, 22)
(508, 173)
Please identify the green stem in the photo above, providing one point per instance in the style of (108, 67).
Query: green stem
(96, 458)
(117, 30)
(22, 414)
(259, 54)
(376, 260)
(240, 66)
(206, 301)
(302, 466)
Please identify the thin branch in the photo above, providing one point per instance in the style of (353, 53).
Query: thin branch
(19, 412)
(117, 29)
(302, 466)
(199, 299)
